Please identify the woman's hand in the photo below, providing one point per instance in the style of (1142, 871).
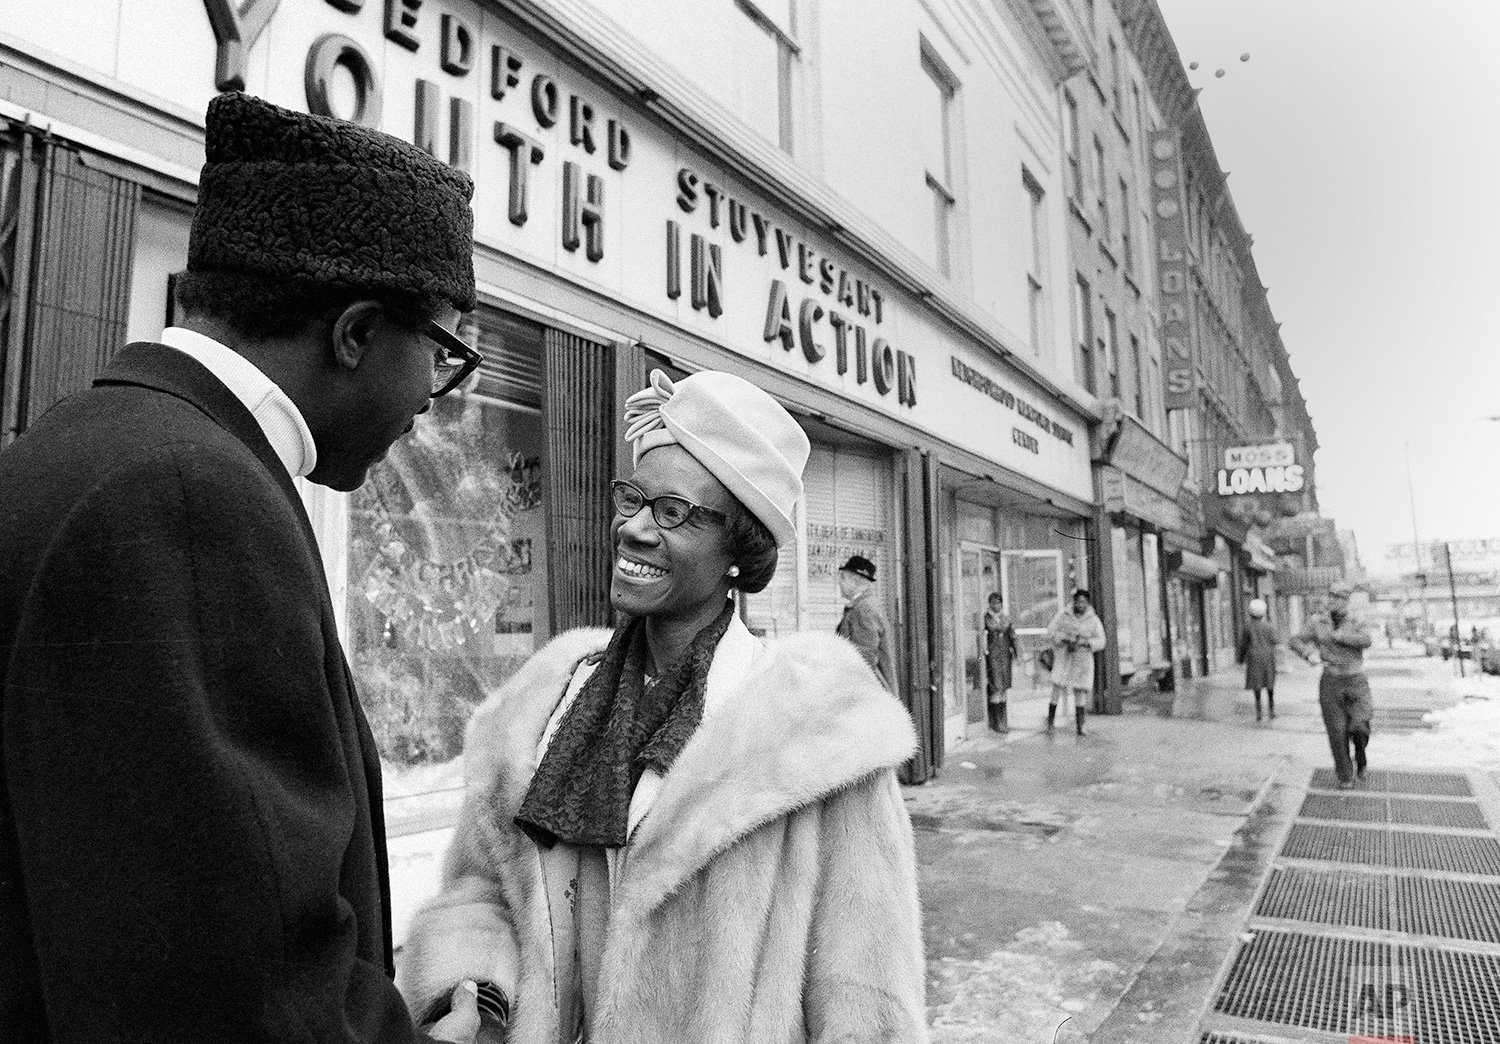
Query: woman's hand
(461, 1024)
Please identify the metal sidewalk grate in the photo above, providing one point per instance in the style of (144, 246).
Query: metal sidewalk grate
(1451, 909)
(1436, 784)
(1361, 987)
(1352, 808)
(1341, 897)
(1339, 844)
(1462, 815)
(1406, 811)
(1381, 846)
(1232, 1038)
(1457, 995)
(1460, 853)
(1299, 980)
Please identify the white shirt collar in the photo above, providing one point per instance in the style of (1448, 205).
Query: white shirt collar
(275, 412)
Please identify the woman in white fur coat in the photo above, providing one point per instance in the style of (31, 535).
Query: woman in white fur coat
(678, 833)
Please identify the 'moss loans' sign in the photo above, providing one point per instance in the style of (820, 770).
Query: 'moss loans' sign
(1260, 469)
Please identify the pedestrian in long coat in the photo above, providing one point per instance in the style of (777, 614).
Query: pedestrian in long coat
(191, 841)
(1075, 633)
(1257, 651)
(999, 656)
(732, 864)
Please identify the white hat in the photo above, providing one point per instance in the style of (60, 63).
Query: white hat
(745, 438)
(1257, 607)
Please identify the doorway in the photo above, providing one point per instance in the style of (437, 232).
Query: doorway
(1032, 582)
(979, 576)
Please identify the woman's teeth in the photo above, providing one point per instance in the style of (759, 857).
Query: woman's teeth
(639, 570)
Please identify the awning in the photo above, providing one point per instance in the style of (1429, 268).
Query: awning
(1193, 566)
(1261, 558)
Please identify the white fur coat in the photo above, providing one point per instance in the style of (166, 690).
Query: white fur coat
(768, 897)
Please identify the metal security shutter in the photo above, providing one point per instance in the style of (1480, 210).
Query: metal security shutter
(579, 414)
(848, 499)
(80, 244)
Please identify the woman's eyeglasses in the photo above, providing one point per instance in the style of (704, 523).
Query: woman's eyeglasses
(452, 359)
(669, 510)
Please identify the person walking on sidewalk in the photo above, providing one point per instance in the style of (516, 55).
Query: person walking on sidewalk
(1257, 651)
(999, 655)
(863, 622)
(1338, 640)
(1076, 633)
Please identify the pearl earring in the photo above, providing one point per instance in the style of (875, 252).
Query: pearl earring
(734, 571)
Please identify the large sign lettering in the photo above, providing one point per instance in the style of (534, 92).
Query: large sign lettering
(1179, 365)
(834, 302)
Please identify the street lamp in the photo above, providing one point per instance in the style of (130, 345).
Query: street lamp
(1416, 544)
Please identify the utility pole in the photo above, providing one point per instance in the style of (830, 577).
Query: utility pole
(1416, 545)
(1458, 637)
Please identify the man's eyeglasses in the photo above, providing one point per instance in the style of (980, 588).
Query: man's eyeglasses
(669, 510)
(452, 359)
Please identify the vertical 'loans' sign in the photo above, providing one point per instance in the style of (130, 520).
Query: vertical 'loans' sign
(1170, 222)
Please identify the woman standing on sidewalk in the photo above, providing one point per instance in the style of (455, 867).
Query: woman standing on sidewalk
(1338, 640)
(1257, 651)
(999, 656)
(676, 832)
(1076, 634)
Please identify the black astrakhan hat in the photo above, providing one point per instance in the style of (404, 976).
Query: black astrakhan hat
(859, 565)
(309, 197)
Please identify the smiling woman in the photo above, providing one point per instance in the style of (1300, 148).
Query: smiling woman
(628, 790)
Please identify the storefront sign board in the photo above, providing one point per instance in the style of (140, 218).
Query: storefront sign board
(1169, 224)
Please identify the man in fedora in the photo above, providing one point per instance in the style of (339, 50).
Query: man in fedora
(863, 622)
(191, 839)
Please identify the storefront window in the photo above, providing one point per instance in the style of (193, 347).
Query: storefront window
(1155, 610)
(447, 589)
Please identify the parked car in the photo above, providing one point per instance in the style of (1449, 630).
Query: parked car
(1489, 659)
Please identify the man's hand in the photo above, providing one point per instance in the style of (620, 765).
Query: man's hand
(461, 1024)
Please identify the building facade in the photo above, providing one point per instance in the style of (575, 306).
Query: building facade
(1235, 410)
(974, 253)
(874, 234)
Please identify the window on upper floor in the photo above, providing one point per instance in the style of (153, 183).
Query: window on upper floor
(1083, 334)
(1101, 196)
(935, 129)
(1138, 374)
(1073, 143)
(1110, 345)
(1090, 15)
(1114, 78)
(1155, 397)
(766, 53)
(1127, 226)
(1036, 260)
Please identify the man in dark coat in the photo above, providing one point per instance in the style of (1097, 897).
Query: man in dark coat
(863, 622)
(191, 840)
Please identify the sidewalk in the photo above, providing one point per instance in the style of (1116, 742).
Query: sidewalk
(1054, 869)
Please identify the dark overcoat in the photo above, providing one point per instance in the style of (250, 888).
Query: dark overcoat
(191, 845)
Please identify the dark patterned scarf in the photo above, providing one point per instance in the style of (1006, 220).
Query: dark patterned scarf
(617, 727)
